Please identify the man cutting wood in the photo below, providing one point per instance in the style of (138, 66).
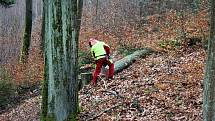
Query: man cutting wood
(101, 54)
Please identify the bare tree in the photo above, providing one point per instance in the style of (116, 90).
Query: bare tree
(209, 81)
(27, 34)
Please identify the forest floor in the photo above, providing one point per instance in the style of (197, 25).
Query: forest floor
(160, 87)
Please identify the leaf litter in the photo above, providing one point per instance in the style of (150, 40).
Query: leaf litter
(162, 86)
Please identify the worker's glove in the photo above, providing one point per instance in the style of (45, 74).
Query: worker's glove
(95, 61)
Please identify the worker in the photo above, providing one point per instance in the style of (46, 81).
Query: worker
(101, 54)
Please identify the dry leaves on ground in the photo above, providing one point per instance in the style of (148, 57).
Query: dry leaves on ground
(158, 88)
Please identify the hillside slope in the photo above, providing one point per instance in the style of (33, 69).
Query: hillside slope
(160, 87)
(166, 86)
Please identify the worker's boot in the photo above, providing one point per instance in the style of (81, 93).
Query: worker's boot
(94, 82)
(110, 78)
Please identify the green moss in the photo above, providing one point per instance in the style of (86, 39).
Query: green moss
(72, 117)
(57, 82)
(44, 100)
(57, 25)
(50, 117)
(47, 117)
(7, 2)
(27, 33)
(25, 47)
(45, 91)
(52, 103)
(79, 109)
(127, 49)
(173, 44)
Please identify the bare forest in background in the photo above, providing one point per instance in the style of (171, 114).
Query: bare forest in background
(125, 20)
(12, 20)
(147, 21)
(124, 24)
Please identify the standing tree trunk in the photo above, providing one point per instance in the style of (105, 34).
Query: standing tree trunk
(42, 43)
(60, 87)
(95, 20)
(97, 5)
(79, 14)
(209, 81)
(27, 35)
(141, 9)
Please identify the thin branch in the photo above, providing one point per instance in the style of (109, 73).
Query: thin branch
(114, 93)
(104, 111)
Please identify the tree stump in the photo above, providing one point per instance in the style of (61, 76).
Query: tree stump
(85, 78)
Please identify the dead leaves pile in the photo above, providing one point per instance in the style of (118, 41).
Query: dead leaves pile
(160, 87)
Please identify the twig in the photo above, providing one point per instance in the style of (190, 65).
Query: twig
(114, 93)
(104, 82)
(106, 110)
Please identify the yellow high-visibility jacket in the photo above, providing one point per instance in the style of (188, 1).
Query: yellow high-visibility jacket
(98, 50)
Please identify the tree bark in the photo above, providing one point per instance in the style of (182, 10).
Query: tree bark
(60, 87)
(209, 80)
(27, 34)
(128, 60)
(79, 13)
(42, 43)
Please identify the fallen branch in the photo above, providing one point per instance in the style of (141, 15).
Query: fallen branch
(105, 85)
(114, 93)
(104, 111)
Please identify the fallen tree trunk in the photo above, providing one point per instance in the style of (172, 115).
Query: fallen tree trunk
(128, 60)
(120, 64)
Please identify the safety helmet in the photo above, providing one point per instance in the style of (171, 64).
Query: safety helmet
(92, 41)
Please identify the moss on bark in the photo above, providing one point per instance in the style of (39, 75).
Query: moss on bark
(61, 60)
(51, 117)
(72, 117)
(44, 100)
(27, 35)
(209, 83)
(7, 2)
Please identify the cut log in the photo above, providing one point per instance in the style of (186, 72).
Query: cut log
(119, 65)
(128, 60)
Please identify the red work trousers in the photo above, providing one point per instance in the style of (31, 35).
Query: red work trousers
(99, 64)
